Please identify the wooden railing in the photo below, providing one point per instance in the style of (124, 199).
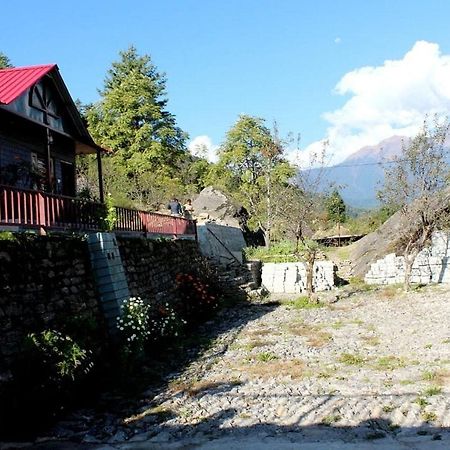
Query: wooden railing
(36, 209)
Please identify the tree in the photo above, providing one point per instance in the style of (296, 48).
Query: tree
(250, 167)
(131, 118)
(5, 62)
(336, 208)
(301, 205)
(416, 183)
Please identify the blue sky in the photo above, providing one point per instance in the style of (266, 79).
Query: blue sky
(280, 60)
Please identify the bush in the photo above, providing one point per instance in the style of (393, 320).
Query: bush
(59, 357)
(198, 298)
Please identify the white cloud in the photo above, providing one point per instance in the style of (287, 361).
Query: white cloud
(203, 146)
(390, 99)
(337, 40)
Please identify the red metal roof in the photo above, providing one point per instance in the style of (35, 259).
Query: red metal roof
(14, 82)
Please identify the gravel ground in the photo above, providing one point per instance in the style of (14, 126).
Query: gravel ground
(370, 371)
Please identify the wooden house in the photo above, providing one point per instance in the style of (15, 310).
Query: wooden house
(41, 132)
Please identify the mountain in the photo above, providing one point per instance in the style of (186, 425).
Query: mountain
(359, 176)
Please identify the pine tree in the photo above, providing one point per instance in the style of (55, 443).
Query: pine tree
(131, 118)
(5, 62)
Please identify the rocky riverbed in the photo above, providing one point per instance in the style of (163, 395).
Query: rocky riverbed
(369, 371)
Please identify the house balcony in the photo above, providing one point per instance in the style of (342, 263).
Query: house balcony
(22, 209)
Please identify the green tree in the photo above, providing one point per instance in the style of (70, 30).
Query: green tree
(131, 118)
(5, 62)
(336, 208)
(251, 168)
(417, 182)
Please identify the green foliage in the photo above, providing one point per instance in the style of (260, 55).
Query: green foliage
(369, 221)
(148, 162)
(335, 207)
(131, 118)
(133, 325)
(351, 359)
(5, 62)
(110, 219)
(266, 357)
(59, 356)
(304, 303)
(283, 251)
(251, 168)
(7, 236)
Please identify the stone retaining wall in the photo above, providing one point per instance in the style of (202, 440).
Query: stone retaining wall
(45, 282)
(432, 265)
(151, 266)
(290, 278)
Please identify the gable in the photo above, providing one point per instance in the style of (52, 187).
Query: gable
(42, 97)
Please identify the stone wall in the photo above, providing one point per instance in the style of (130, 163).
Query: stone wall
(48, 282)
(290, 278)
(151, 266)
(44, 282)
(432, 265)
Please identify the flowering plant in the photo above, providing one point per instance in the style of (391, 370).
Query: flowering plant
(133, 323)
(198, 295)
(167, 322)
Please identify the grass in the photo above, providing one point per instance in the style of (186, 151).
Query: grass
(266, 357)
(371, 340)
(161, 413)
(257, 343)
(389, 363)
(278, 252)
(432, 390)
(315, 336)
(331, 419)
(428, 346)
(194, 387)
(295, 368)
(388, 408)
(303, 302)
(350, 359)
(429, 416)
(422, 402)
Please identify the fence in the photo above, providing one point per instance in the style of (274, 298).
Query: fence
(35, 209)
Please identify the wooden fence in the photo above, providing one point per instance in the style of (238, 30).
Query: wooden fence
(35, 209)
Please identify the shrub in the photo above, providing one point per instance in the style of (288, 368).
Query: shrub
(59, 356)
(167, 323)
(133, 324)
(198, 297)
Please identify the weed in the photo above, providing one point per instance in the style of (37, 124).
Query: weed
(429, 375)
(371, 340)
(351, 359)
(337, 325)
(422, 402)
(316, 337)
(428, 416)
(388, 408)
(331, 419)
(266, 357)
(406, 382)
(304, 303)
(428, 346)
(389, 363)
(432, 390)
(446, 341)
(161, 413)
(294, 368)
(256, 343)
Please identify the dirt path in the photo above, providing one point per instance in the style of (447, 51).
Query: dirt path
(371, 371)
